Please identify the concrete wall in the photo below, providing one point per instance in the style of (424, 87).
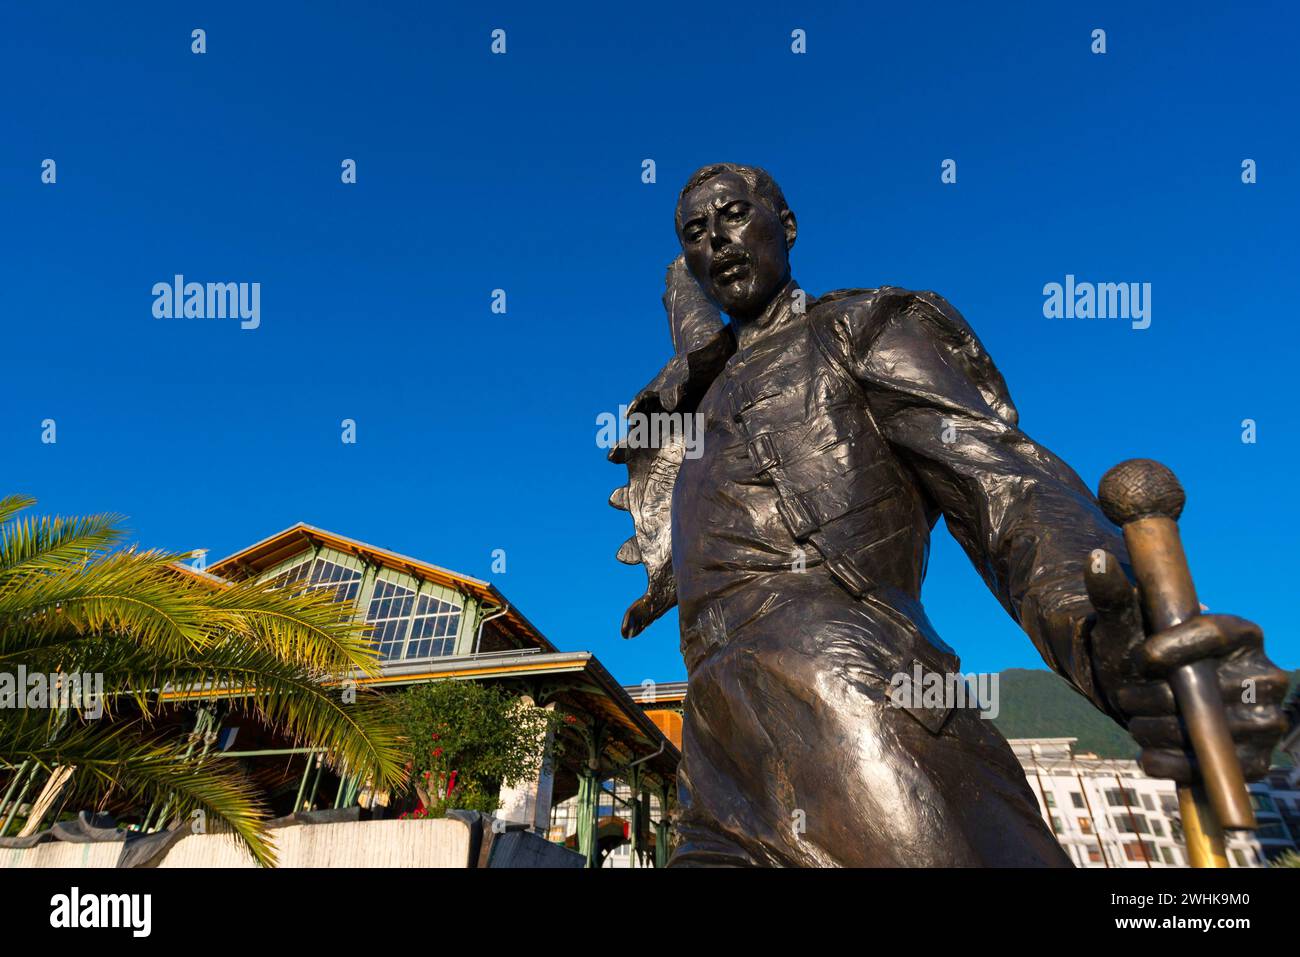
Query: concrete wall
(63, 854)
(441, 842)
(438, 843)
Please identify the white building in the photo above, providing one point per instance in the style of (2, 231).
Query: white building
(1107, 813)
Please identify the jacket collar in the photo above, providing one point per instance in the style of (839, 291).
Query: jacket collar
(780, 312)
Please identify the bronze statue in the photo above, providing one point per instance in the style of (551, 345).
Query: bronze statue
(836, 431)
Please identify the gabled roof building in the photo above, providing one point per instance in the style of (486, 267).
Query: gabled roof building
(434, 624)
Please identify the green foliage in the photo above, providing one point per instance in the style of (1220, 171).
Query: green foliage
(1041, 704)
(73, 601)
(464, 739)
(1289, 859)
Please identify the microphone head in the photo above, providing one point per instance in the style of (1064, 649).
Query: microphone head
(1140, 488)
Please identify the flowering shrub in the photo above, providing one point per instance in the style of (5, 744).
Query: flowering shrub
(463, 740)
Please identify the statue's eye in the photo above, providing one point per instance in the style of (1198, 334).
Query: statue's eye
(736, 212)
(693, 230)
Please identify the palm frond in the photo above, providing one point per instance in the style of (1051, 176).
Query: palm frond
(11, 505)
(48, 543)
(125, 758)
(155, 636)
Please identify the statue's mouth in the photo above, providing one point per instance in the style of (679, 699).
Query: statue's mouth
(730, 269)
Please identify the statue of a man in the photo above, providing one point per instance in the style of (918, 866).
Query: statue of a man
(836, 431)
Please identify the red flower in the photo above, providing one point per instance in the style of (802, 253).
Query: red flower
(451, 783)
(437, 752)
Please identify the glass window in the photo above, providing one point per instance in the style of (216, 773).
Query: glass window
(1076, 798)
(1125, 825)
(1262, 802)
(318, 574)
(1136, 852)
(404, 626)
(433, 631)
(389, 615)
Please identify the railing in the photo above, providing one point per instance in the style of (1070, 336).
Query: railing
(481, 656)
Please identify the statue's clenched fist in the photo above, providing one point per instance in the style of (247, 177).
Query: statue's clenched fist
(1131, 668)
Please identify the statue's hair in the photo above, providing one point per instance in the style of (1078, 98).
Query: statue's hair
(759, 180)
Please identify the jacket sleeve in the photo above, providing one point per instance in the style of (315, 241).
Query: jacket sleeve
(1025, 519)
(702, 344)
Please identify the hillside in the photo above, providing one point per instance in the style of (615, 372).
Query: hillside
(1039, 704)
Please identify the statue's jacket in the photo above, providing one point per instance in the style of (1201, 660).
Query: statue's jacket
(796, 550)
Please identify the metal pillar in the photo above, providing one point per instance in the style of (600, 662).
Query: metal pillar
(306, 773)
(661, 829)
(589, 797)
(315, 784)
(349, 787)
(636, 811)
(588, 791)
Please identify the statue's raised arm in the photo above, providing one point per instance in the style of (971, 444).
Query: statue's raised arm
(702, 343)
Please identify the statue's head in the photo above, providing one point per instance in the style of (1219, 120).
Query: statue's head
(736, 232)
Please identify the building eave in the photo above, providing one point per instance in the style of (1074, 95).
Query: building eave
(270, 551)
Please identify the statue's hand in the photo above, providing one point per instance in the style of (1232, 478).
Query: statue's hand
(1131, 668)
(648, 496)
(702, 344)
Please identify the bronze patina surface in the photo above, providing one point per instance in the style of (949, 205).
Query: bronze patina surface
(837, 430)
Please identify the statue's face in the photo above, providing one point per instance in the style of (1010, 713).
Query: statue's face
(737, 249)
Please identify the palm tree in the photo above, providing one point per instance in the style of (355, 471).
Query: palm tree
(73, 600)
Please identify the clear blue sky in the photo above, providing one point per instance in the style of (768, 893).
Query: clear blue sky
(477, 431)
